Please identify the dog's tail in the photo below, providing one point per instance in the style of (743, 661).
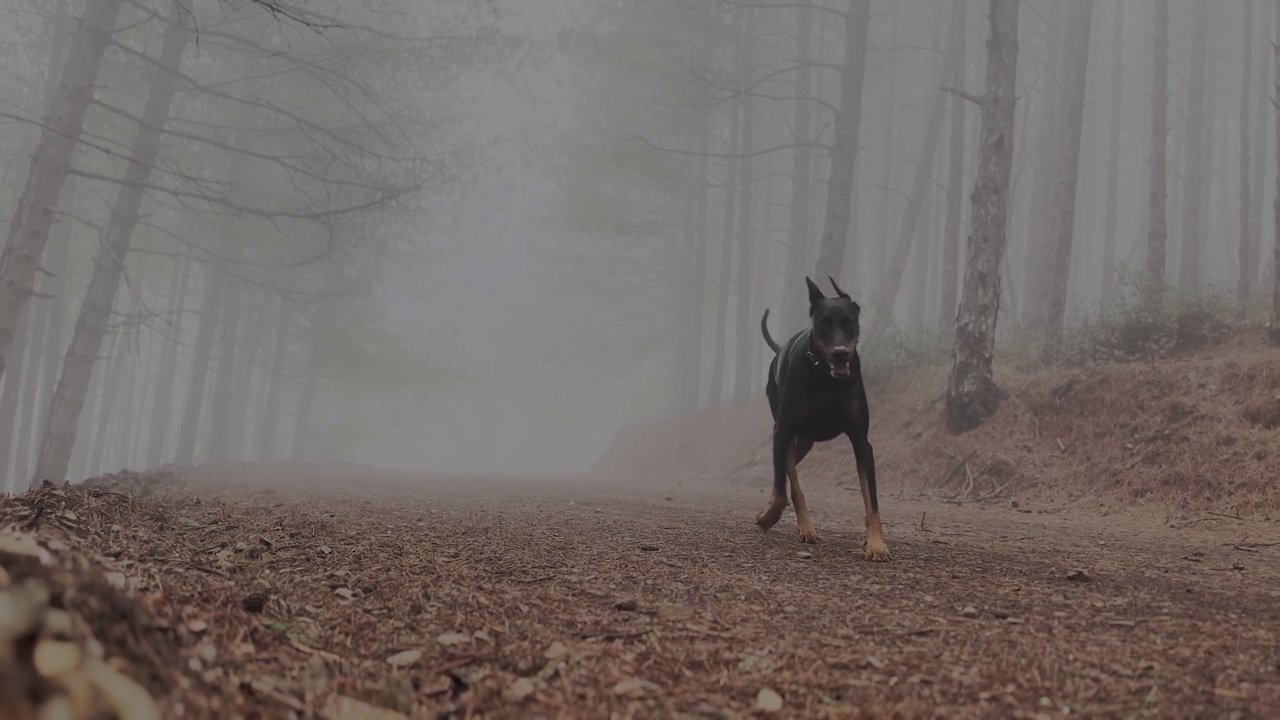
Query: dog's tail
(764, 329)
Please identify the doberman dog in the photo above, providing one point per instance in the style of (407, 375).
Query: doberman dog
(815, 393)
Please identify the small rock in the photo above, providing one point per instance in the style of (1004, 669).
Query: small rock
(790, 609)
(768, 701)
(804, 555)
(970, 612)
(649, 548)
(197, 626)
(518, 690)
(1079, 576)
(626, 606)
(116, 580)
(344, 593)
(405, 658)
(452, 638)
(324, 549)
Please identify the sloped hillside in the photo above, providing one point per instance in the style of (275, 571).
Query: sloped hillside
(1197, 432)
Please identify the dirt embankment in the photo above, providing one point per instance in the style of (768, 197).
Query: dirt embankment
(1194, 433)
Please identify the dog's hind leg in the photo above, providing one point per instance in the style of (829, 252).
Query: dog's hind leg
(798, 450)
(875, 548)
(782, 442)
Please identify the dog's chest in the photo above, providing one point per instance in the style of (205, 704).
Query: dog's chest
(824, 418)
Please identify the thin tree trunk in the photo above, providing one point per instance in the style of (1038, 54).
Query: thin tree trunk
(724, 276)
(9, 401)
(241, 409)
(1261, 118)
(29, 371)
(1075, 67)
(972, 395)
(880, 249)
(1113, 155)
(794, 302)
(955, 169)
(694, 283)
(221, 412)
(275, 387)
(1035, 271)
(302, 424)
(91, 325)
(33, 215)
(922, 177)
(1247, 270)
(106, 411)
(1274, 335)
(162, 411)
(118, 441)
(1158, 228)
(206, 340)
(744, 337)
(1193, 180)
(844, 153)
(922, 249)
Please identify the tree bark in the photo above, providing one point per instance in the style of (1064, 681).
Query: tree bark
(955, 168)
(9, 402)
(795, 303)
(162, 410)
(275, 388)
(745, 338)
(1113, 155)
(1062, 222)
(844, 153)
(920, 180)
(86, 340)
(1035, 271)
(1274, 334)
(33, 215)
(880, 249)
(921, 256)
(1158, 227)
(1262, 93)
(972, 395)
(1248, 269)
(724, 277)
(1193, 180)
(106, 410)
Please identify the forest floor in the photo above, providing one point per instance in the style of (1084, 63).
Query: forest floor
(265, 591)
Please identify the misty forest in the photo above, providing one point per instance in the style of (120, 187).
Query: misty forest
(404, 358)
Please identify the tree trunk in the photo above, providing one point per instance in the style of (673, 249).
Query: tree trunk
(1262, 94)
(955, 168)
(694, 284)
(745, 338)
(972, 395)
(302, 424)
(1193, 180)
(1158, 227)
(1113, 155)
(221, 412)
(106, 411)
(921, 251)
(163, 406)
(844, 153)
(91, 325)
(275, 388)
(1039, 244)
(888, 196)
(33, 215)
(117, 446)
(795, 302)
(920, 181)
(9, 408)
(247, 366)
(1274, 334)
(1248, 269)
(724, 277)
(1062, 222)
(29, 371)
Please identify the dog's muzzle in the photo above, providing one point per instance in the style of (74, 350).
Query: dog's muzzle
(839, 361)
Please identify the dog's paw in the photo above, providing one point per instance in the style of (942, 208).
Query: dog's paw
(771, 514)
(809, 536)
(876, 551)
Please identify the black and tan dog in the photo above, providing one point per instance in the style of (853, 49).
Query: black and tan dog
(815, 393)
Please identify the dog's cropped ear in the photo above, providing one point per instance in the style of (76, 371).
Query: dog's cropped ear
(815, 294)
(839, 291)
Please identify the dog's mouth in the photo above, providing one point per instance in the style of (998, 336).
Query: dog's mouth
(839, 367)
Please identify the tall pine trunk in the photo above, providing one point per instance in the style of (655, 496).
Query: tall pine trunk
(270, 427)
(1113, 155)
(1261, 106)
(33, 216)
(1158, 227)
(1044, 181)
(246, 367)
(162, 410)
(880, 249)
(955, 169)
(106, 409)
(306, 401)
(1062, 221)
(1193, 176)
(91, 325)
(844, 152)
(1248, 269)
(1274, 335)
(972, 395)
(794, 302)
(745, 339)
(220, 415)
(724, 276)
(9, 401)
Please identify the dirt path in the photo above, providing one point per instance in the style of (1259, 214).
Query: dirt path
(562, 599)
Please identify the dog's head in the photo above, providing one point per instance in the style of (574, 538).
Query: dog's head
(835, 328)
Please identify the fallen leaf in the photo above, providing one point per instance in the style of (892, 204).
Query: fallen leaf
(197, 626)
(407, 657)
(768, 701)
(452, 638)
(344, 593)
(324, 549)
(635, 688)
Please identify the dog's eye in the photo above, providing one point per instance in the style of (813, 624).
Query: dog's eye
(847, 322)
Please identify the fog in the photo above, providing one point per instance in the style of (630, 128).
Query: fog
(484, 236)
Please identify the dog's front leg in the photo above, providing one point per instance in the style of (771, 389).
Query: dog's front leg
(875, 548)
(782, 441)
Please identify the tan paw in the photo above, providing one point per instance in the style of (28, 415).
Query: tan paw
(876, 550)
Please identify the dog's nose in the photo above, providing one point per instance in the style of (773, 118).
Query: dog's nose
(841, 352)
